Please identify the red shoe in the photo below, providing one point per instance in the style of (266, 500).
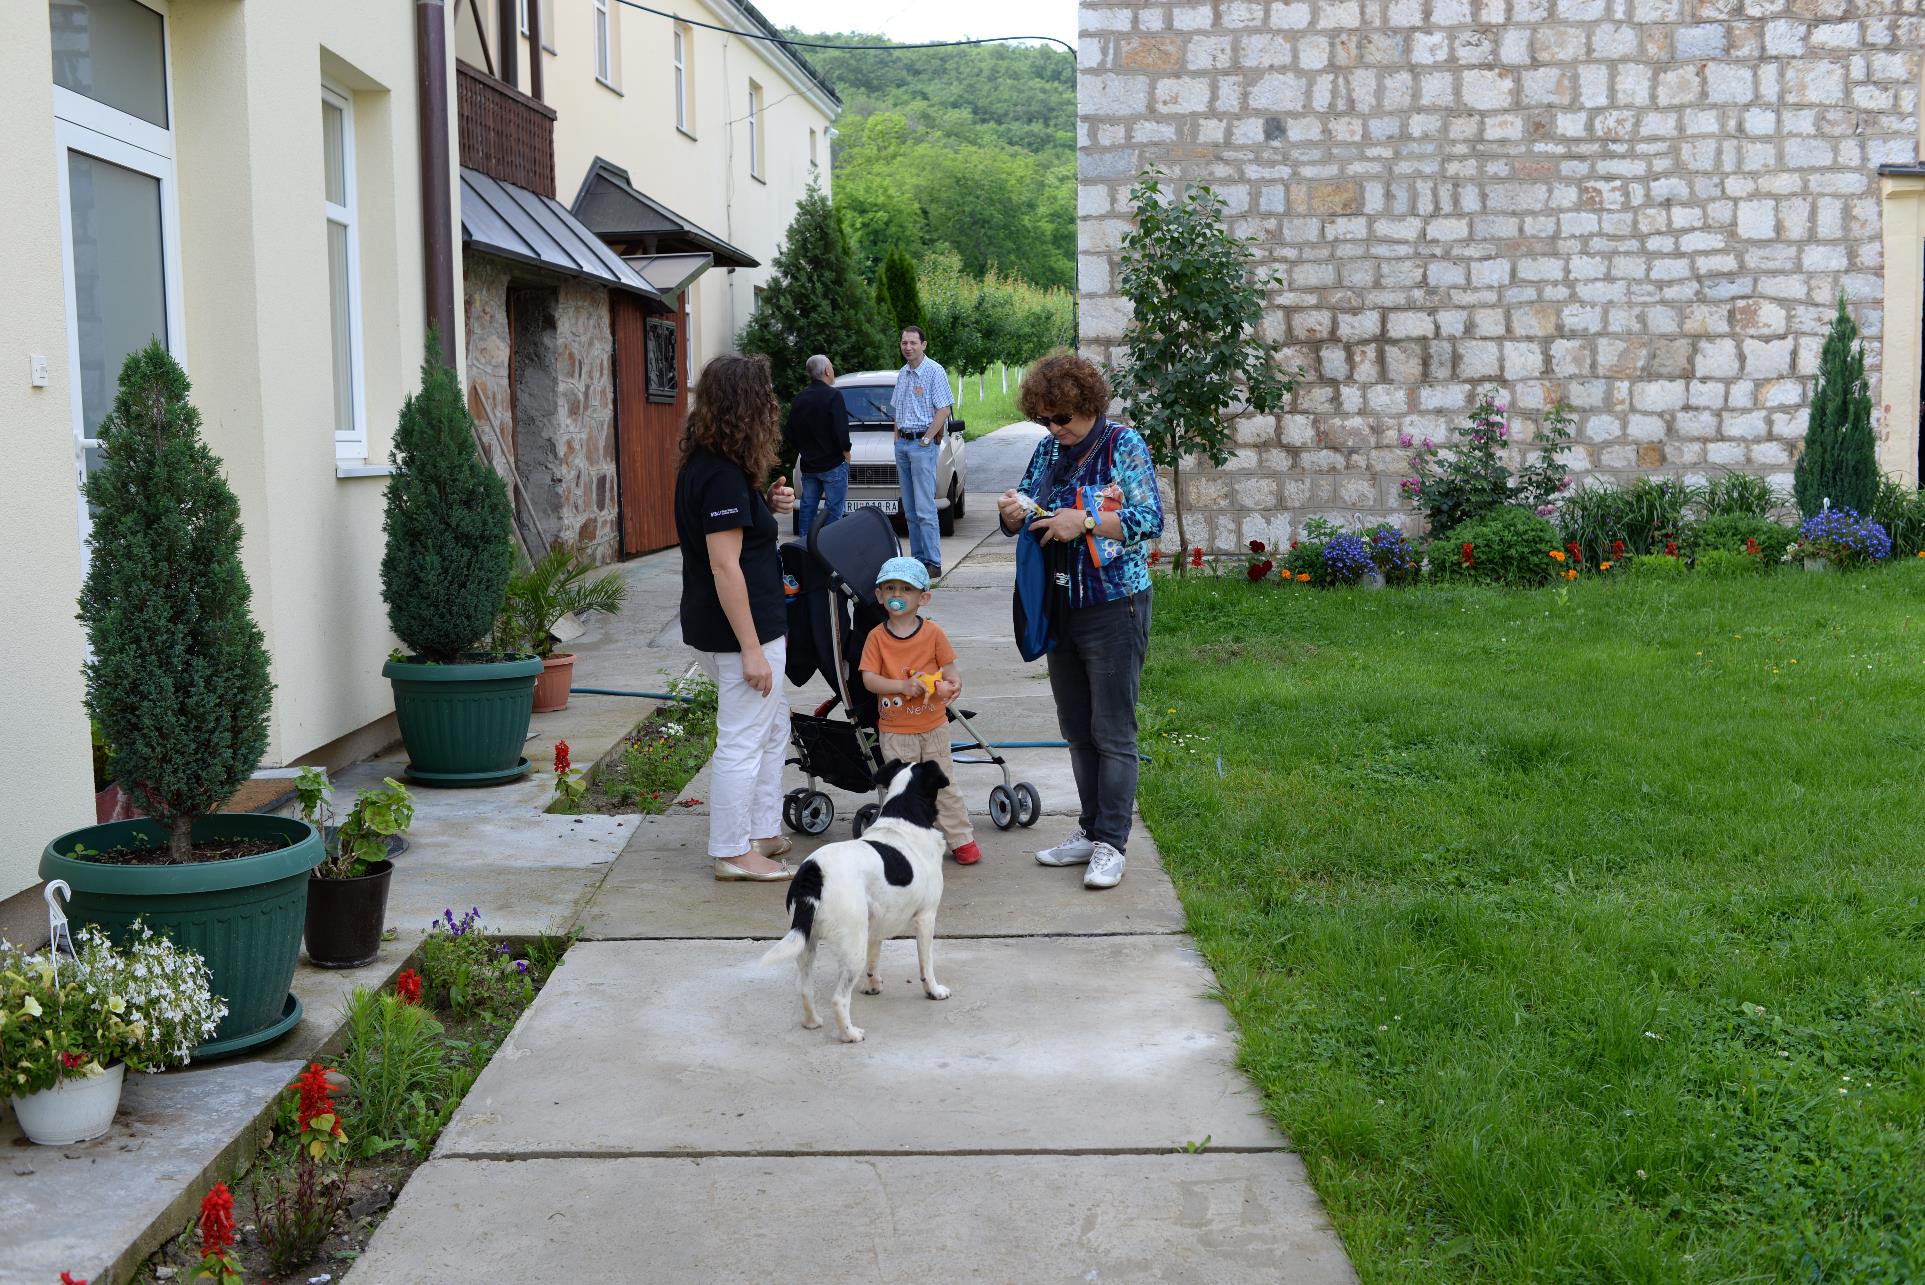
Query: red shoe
(969, 854)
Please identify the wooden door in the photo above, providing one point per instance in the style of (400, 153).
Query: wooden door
(648, 433)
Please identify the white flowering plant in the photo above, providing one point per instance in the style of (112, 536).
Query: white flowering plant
(147, 1004)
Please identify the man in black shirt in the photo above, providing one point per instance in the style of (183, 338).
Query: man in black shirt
(818, 432)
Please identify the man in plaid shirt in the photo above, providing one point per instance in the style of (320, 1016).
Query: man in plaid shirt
(922, 404)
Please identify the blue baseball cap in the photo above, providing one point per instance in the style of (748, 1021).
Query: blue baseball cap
(908, 570)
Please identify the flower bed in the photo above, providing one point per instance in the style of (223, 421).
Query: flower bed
(647, 770)
(347, 1136)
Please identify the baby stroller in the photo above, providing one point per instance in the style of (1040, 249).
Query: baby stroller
(832, 607)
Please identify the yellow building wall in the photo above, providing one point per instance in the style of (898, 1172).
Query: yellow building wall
(702, 174)
(246, 84)
(1903, 201)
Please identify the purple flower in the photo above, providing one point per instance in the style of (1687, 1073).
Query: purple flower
(521, 966)
(1545, 510)
(1503, 430)
(1403, 439)
(1427, 445)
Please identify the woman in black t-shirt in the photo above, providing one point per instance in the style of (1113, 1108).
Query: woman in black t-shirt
(733, 610)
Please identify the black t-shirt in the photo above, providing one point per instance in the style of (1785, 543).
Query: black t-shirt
(713, 494)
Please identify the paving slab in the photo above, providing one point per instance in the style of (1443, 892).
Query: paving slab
(1220, 1219)
(663, 887)
(663, 1048)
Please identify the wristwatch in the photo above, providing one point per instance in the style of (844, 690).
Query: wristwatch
(1089, 523)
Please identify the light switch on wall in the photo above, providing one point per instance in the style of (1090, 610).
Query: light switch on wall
(38, 365)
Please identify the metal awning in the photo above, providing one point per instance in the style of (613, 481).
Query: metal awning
(669, 273)
(512, 222)
(609, 204)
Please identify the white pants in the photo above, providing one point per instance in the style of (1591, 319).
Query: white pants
(751, 742)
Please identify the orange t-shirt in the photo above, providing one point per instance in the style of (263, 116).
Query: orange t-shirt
(926, 651)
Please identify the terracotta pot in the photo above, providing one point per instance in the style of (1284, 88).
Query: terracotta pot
(557, 676)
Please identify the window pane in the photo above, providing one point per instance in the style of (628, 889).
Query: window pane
(334, 153)
(340, 298)
(120, 294)
(113, 52)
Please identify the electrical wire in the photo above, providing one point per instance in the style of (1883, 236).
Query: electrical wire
(820, 44)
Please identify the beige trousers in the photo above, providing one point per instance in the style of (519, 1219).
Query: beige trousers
(933, 747)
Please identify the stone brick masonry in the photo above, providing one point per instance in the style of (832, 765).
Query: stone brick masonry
(1644, 208)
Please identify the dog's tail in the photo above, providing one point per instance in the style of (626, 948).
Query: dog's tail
(805, 894)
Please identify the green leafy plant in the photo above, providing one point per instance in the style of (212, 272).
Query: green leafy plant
(1506, 546)
(560, 584)
(1900, 509)
(146, 1003)
(1725, 563)
(1472, 475)
(401, 1066)
(450, 534)
(178, 676)
(361, 839)
(815, 303)
(1609, 522)
(296, 1203)
(1740, 534)
(1195, 347)
(469, 975)
(1658, 564)
(1738, 495)
(1839, 463)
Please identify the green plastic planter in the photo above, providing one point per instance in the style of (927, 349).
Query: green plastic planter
(243, 916)
(464, 724)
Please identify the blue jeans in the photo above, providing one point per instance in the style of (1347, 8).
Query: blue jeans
(829, 489)
(916, 465)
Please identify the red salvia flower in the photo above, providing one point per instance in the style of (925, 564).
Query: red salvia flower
(1156, 556)
(316, 1093)
(1577, 555)
(1293, 544)
(408, 986)
(1196, 556)
(1617, 548)
(1465, 554)
(68, 1278)
(1670, 548)
(1751, 545)
(561, 757)
(217, 1221)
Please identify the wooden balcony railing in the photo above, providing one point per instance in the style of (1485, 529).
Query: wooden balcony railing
(504, 133)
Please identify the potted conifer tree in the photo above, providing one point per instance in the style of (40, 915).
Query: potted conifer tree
(463, 713)
(178, 684)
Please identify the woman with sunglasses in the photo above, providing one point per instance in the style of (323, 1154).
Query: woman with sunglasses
(1091, 484)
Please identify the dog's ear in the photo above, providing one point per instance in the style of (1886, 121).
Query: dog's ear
(888, 772)
(930, 778)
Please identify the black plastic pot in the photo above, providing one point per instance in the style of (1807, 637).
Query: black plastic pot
(345, 918)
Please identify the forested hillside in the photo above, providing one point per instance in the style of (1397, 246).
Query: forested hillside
(973, 149)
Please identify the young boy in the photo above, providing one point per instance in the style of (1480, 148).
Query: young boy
(910, 666)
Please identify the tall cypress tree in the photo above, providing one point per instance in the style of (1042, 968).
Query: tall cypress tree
(814, 303)
(1840, 459)
(179, 680)
(897, 281)
(450, 531)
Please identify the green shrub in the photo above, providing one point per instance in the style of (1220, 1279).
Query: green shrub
(1658, 565)
(1641, 517)
(450, 534)
(1900, 509)
(399, 1067)
(177, 679)
(1729, 532)
(1739, 494)
(1723, 562)
(1839, 463)
(468, 974)
(1508, 546)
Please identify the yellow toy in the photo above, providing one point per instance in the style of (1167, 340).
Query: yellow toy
(928, 682)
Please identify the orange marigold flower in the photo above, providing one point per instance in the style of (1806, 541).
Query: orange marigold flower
(1603, 566)
(1558, 554)
(1303, 577)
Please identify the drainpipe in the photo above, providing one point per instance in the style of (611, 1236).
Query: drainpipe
(508, 35)
(437, 206)
(534, 50)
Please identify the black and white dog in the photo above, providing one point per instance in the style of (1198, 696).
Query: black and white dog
(848, 898)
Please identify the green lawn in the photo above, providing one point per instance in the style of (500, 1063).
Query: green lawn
(1572, 937)
(995, 409)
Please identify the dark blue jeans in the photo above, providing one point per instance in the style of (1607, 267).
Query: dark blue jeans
(829, 489)
(1094, 673)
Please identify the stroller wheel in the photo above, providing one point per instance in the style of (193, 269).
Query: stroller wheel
(816, 811)
(790, 803)
(1029, 804)
(1002, 807)
(865, 817)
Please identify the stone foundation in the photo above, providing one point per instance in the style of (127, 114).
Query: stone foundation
(1645, 209)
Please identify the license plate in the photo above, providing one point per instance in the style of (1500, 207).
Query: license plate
(887, 506)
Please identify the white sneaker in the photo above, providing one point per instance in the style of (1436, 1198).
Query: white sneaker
(1105, 867)
(1073, 851)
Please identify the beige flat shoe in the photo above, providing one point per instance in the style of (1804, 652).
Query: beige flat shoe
(728, 871)
(780, 846)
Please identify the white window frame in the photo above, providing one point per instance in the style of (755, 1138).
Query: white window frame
(756, 140)
(82, 124)
(521, 16)
(349, 447)
(680, 53)
(604, 44)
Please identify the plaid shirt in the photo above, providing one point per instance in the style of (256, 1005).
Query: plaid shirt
(920, 392)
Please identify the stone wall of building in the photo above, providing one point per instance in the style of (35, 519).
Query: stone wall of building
(541, 386)
(1646, 209)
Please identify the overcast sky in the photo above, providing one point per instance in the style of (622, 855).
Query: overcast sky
(914, 20)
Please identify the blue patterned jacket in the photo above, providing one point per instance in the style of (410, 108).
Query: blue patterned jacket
(1118, 454)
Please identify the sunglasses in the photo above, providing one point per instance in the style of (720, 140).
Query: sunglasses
(1061, 421)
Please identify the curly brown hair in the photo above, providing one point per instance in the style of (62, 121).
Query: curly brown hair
(1063, 382)
(735, 415)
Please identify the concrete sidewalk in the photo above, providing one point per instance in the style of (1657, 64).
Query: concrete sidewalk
(659, 1114)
